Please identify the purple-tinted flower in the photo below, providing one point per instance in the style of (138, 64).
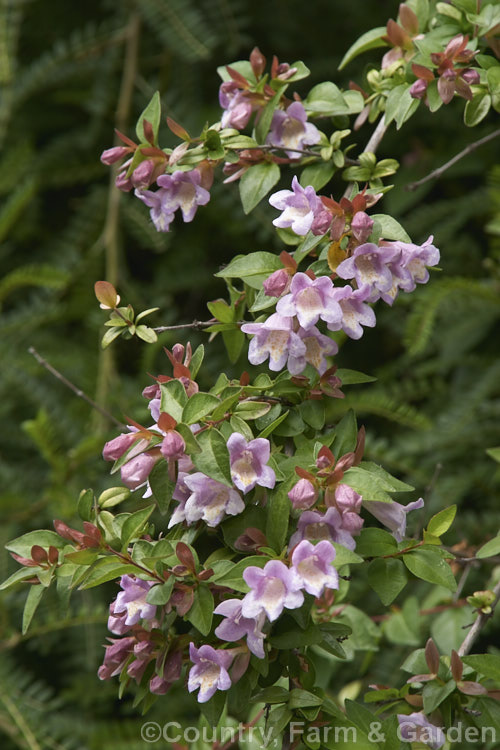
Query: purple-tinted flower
(303, 494)
(162, 207)
(236, 104)
(393, 515)
(419, 89)
(302, 209)
(116, 622)
(347, 500)
(318, 347)
(313, 526)
(208, 500)
(311, 299)
(291, 131)
(161, 683)
(369, 265)
(276, 339)
(355, 313)
(115, 657)
(312, 563)
(414, 261)
(185, 189)
(417, 728)
(235, 626)
(273, 588)
(209, 672)
(135, 472)
(132, 600)
(277, 283)
(248, 462)
(143, 652)
(142, 176)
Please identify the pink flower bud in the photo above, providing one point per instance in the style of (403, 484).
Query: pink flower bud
(347, 500)
(135, 472)
(418, 89)
(471, 76)
(114, 449)
(361, 226)
(112, 155)
(123, 183)
(173, 445)
(277, 283)
(352, 523)
(178, 352)
(303, 494)
(141, 176)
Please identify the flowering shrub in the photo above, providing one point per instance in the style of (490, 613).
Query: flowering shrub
(263, 511)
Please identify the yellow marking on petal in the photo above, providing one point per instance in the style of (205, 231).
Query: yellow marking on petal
(335, 255)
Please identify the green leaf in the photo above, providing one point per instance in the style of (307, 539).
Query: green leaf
(112, 496)
(196, 360)
(346, 433)
(161, 593)
(192, 444)
(441, 522)
(253, 268)
(249, 410)
(489, 549)
(435, 101)
(278, 512)
(85, 505)
(152, 114)
(256, 183)
(266, 116)
(201, 613)
(221, 310)
(19, 575)
(173, 399)
(273, 425)
(391, 229)
(135, 525)
(407, 106)
(146, 334)
(367, 41)
(430, 566)
(387, 578)
(476, 109)
(317, 175)
(234, 341)
(33, 600)
(493, 78)
(392, 102)
(214, 457)
(22, 544)
(353, 377)
(486, 664)
(373, 542)
(106, 569)
(345, 556)
(434, 693)
(161, 485)
(494, 453)
(198, 406)
(303, 699)
(313, 413)
(273, 694)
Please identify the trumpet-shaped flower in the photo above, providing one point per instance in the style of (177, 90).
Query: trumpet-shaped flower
(208, 500)
(248, 462)
(393, 515)
(276, 339)
(273, 588)
(416, 727)
(313, 565)
(331, 526)
(209, 671)
(236, 626)
(132, 600)
(291, 131)
(311, 300)
(302, 210)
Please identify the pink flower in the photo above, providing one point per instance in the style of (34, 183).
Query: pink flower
(248, 462)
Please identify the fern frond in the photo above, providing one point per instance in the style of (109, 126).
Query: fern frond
(16, 205)
(422, 320)
(379, 404)
(180, 26)
(32, 275)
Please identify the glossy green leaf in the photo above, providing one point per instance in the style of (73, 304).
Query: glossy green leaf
(256, 183)
(387, 577)
(367, 41)
(430, 566)
(214, 457)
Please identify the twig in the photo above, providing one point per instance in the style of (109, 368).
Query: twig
(467, 150)
(371, 146)
(478, 625)
(198, 325)
(77, 391)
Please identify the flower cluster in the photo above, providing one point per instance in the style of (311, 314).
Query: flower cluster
(455, 76)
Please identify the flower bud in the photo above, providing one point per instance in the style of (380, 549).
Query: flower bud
(173, 445)
(418, 89)
(361, 226)
(471, 76)
(303, 494)
(114, 449)
(277, 283)
(112, 155)
(123, 183)
(135, 472)
(141, 176)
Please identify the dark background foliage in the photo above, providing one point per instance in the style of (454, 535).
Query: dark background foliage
(431, 415)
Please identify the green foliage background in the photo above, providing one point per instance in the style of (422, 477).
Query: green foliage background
(431, 416)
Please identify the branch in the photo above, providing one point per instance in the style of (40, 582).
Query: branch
(372, 145)
(198, 325)
(478, 625)
(467, 150)
(77, 391)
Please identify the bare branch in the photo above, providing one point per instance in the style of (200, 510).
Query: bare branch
(478, 625)
(371, 146)
(77, 391)
(467, 150)
(198, 325)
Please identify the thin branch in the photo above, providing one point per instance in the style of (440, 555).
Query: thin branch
(371, 146)
(478, 625)
(467, 150)
(198, 325)
(77, 391)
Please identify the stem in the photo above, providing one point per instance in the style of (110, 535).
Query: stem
(478, 625)
(127, 559)
(196, 324)
(467, 150)
(77, 391)
(371, 146)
